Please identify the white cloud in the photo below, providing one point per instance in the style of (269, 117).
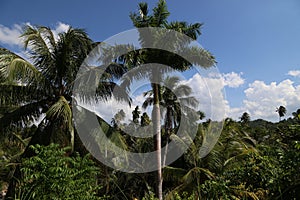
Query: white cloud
(107, 109)
(60, 28)
(233, 79)
(11, 36)
(295, 73)
(262, 99)
(209, 91)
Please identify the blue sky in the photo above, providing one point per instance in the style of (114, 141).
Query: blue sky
(256, 42)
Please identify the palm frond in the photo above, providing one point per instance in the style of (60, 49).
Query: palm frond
(48, 37)
(143, 9)
(173, 173)
(181, 142)
(62, 110)
(72, 48)
(171, 81)
(191, 30)
(160, 14)
(195, 173)
(34, 39)
(23, 115)
(15, 68)
(182, 90)
(148, 102)
(199, 56)
(15, 95)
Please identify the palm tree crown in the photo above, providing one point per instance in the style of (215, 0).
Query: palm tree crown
(42, 86)
(281, 111)
(174, 97)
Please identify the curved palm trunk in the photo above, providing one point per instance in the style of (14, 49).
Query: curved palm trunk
(157, 131)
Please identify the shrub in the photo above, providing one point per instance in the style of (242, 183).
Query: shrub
(51, 174)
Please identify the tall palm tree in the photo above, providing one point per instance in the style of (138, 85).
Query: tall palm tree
(281, 111)
(158, 18)
(40, 89)
(173, 97)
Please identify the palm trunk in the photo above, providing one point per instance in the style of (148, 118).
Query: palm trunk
(168, 127)
(157, 131)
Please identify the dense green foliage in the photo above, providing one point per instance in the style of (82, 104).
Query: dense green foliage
(51, 174)
(260, 160)
(251, 160)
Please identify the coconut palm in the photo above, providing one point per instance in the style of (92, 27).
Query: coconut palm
(43, 85)
(281, 111)
(39, 89)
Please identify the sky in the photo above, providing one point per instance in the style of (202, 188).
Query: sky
(256, 44)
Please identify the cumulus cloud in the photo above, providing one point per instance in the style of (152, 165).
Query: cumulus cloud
(233, 79)
(11, 35)
(295, 73)
(209, 91)
(262, 99)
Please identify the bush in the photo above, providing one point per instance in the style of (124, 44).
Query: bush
(51, 174)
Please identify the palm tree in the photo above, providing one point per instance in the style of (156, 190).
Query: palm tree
(136, 115)
(173, 97)
(245, 118)
(281, 111)
(158, 18)
(40, 89)
(145, 119)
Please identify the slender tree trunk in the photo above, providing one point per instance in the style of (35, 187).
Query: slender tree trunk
(168, 127)
(157, 131)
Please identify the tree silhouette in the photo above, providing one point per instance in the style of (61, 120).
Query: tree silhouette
(136, 115)
(296, 114)
(145, 119)
(245, 118)
(281, 111)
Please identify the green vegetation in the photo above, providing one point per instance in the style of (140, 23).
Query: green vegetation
(42, 156)
(51, 174)
(257, 161)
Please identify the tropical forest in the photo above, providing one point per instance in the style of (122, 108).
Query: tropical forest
(54, 146)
